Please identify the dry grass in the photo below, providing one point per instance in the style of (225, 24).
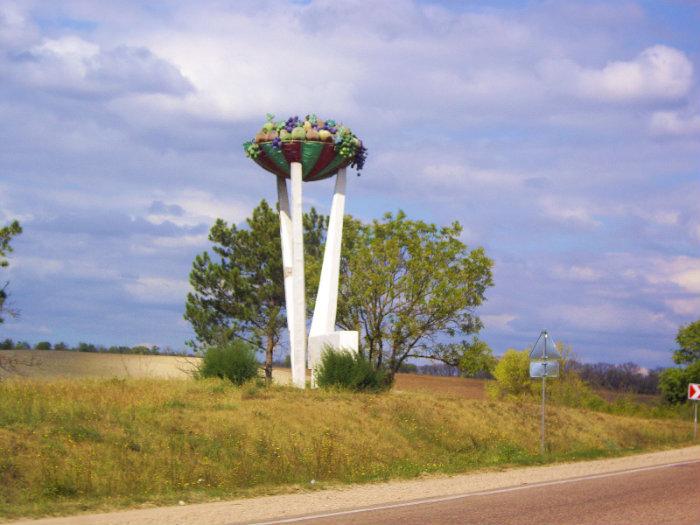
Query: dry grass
(70, 445)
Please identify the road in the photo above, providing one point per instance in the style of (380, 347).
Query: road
(668, 494)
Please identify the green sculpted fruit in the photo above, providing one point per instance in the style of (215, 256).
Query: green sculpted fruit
(307, 125)
(285, 135)
(298, 133)
(312, 134)
(269, 126)
(325, 135)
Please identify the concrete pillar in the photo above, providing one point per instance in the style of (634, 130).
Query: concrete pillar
(286, 239)
(323, 331)
(327, 298)
(298, 332)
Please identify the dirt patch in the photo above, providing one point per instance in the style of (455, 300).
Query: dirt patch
(457, 386)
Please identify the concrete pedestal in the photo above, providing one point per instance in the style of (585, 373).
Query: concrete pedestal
(341, 340)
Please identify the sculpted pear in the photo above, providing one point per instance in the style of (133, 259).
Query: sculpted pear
(312, 134)
(325, 135)
(298, 133)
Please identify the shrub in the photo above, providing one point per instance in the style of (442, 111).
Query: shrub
(43, 345)
(234, 361)
(348, 370)
(673, 382)
(512, 374)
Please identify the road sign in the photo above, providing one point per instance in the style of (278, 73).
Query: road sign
(694, 391)
(546, 368)
(544, 347)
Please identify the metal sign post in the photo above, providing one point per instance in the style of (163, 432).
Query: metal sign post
(694, 395)
(541, 365)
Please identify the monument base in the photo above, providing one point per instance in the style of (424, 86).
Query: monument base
(342, 340)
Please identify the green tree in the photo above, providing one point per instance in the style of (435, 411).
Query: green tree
(512, 374)
(476, 358)
(239, 290)
(673, 382)
(7, 233)
(688, 339)
(405, 283)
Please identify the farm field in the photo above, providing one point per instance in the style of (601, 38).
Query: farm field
(79, 444)
(52, 364)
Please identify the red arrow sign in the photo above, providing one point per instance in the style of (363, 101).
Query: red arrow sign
(694, 391)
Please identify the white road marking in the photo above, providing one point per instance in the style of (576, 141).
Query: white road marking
(472, 494)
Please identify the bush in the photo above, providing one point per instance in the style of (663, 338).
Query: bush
(512, 374)
(673, 382)
(43, 345)
(348, 370)
(234, 361)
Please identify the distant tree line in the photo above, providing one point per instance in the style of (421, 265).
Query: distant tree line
(9, 344)
(625, 377)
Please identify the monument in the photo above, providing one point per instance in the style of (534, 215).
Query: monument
(308, 150)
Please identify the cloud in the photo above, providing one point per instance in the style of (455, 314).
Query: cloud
(658, 73)
(71, 65)
(158, 290)
(674, 123)
(498, 321)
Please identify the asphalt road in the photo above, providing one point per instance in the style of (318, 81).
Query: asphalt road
(667, 494)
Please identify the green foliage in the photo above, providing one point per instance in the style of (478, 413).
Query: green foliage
(234, 361)
(404, 282)
(7, 233)
(43, 345)
(476, 358)
(673, 382)
(512, 374)
(7, 344)
(688, 339)
(239, 290)
(346, 370)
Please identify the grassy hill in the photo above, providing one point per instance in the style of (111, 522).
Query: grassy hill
(73, 444)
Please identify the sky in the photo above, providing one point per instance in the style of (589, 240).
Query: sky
(563, 136)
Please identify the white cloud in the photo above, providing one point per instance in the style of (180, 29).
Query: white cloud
(674, 123)
(201, 207)
(498, 321)
(657, 73)
(158, 290)
(562, 210)
(686, 307)
(578, 273)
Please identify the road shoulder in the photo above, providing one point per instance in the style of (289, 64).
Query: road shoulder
(337, 499)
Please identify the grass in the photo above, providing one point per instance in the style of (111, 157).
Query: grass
(96, 444)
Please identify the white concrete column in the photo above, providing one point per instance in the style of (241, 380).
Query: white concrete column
(298, 333)
(323, 321)
(286, 239)
(323, 333)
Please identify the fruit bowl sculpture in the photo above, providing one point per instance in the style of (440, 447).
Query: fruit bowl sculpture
(308, 150)
(321, 146)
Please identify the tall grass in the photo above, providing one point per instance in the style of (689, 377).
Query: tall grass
(68, 445)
